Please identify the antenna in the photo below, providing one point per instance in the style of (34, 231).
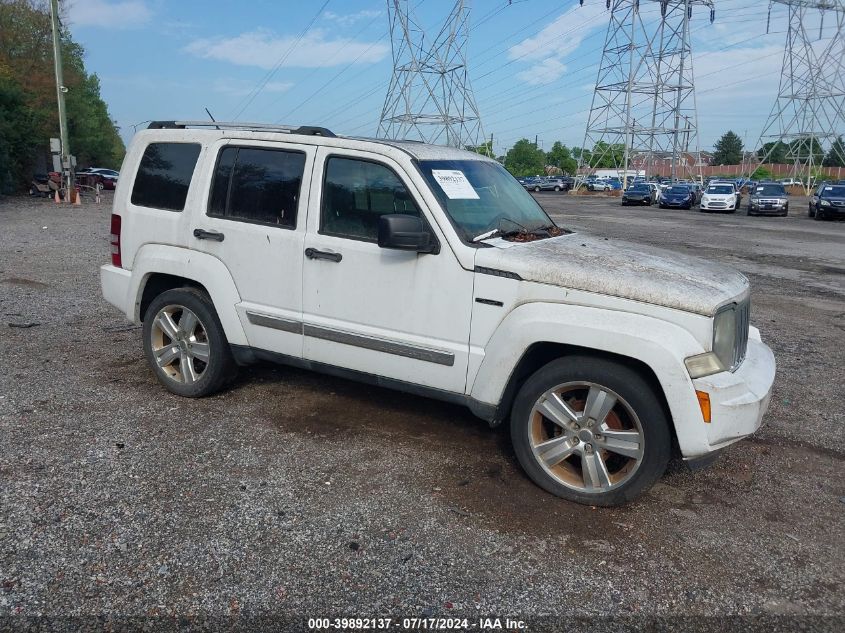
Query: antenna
(430, 98)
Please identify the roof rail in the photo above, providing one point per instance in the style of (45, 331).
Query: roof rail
(308, 130)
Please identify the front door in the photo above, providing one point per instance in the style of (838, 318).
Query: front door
(255, 224)
(384, 312)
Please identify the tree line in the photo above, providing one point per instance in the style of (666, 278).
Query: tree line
(28, 108)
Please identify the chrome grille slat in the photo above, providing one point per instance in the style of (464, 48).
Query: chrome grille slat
(743, 313)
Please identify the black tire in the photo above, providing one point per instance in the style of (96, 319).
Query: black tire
(818, 215)
(220, 367)
(629, 386)
(536, 189)
(557, 188)
(811, 212)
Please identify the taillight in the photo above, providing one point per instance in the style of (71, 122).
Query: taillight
(115, 241)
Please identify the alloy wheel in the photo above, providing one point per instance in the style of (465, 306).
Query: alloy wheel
(180, 344)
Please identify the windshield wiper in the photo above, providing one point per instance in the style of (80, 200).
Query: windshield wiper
(499, 232)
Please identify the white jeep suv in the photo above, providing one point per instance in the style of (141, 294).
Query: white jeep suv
(430, 270)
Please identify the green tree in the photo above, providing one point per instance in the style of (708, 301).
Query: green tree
(728, 150)
(485, 149)
(776, 152)
(525, 159)
(836, 155)
(17, 134)
(605, 155)
(805, 149)
(561, 157)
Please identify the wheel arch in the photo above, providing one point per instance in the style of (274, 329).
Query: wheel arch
(158, 267)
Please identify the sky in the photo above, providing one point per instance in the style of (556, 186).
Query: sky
(532, 63)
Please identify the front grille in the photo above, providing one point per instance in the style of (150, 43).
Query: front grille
(717, 204)
(837, 203)
(743, 314)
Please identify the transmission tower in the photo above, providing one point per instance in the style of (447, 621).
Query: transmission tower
(430, 98)
(643, 106)
(809, 112)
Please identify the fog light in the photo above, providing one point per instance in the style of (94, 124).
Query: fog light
(704, 404)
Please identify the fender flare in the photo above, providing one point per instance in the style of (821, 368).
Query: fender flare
(201, 268)
(660, 345)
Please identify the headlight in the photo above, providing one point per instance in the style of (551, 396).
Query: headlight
(705, 199)
(703, 365)
(825, 203)
(724, 335)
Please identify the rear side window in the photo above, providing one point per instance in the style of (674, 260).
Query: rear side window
(258, 185)
(164, 175)
(356, 193)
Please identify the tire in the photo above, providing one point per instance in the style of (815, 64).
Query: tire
(203, 346)
(536, 189)
(636, 415)
(810, 212)
(818, 215)
(557, 188)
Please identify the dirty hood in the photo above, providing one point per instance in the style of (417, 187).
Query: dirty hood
(620, 269)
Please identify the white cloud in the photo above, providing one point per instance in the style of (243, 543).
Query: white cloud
(241, 88)
(351, 18)
(563, 35)
(264, 49)
(544, 72)
(121, 15)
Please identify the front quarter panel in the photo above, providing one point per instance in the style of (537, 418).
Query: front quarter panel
(660, 345)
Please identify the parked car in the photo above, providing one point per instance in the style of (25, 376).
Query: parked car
(551, 184)
(599, 185)
(300, 247)
(731, 183)
(532, 184)
(719, 196)
(640, 193)
(791, 182)
(827, 201)
(93, 175)
(768, 198)
(677, 196)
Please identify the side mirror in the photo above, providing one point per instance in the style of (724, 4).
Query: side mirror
(404, 233)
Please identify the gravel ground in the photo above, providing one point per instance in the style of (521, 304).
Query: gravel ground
(294, 495)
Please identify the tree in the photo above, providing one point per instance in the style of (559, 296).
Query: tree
(774, 152)
(485, 149)
(605, 155)
(26, 72)
(836, 156)
(804, 149)
(728, 150)
(525, 159)
(561, 157)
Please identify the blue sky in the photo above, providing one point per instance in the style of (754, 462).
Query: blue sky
(532, 63)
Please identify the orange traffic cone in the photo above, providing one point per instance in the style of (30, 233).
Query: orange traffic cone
(56, 198)
(77, 198)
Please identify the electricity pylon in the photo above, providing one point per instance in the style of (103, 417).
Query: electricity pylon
(809, 113)
(644, 100)
(430, 98)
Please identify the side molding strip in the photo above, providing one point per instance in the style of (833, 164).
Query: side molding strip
(426, 354)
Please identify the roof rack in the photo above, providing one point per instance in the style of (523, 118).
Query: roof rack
(307, 130)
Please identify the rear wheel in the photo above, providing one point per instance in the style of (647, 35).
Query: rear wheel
(185, 344)
(590, 431)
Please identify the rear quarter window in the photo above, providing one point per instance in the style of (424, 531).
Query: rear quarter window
(164, 175)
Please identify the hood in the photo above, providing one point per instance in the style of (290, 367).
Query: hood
(677, 195)
(620, 269)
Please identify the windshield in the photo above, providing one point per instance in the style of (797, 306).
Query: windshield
(833, 192)
(480, 196)
(769, 190)
(640, 188)
(684, 190)
(720, 189)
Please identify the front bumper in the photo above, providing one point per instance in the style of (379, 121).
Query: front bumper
(738, 399)
(115, 283)
(718, 205)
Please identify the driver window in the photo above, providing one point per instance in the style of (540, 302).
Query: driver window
(356, 193)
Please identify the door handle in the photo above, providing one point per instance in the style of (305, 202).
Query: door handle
(202, 234)
(313, 253)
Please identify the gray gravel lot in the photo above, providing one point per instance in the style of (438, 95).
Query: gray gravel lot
(294, 495)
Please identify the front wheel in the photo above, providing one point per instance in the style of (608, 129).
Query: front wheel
(557, 188)
(185, 344)
(537, 189)
(590, 431)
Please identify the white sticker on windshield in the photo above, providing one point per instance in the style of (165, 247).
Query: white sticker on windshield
(759, 188)
(828, 188)
(454, 184)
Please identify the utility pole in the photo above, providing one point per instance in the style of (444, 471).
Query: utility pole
(60, 97)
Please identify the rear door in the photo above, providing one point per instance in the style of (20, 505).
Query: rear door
(254, 222)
